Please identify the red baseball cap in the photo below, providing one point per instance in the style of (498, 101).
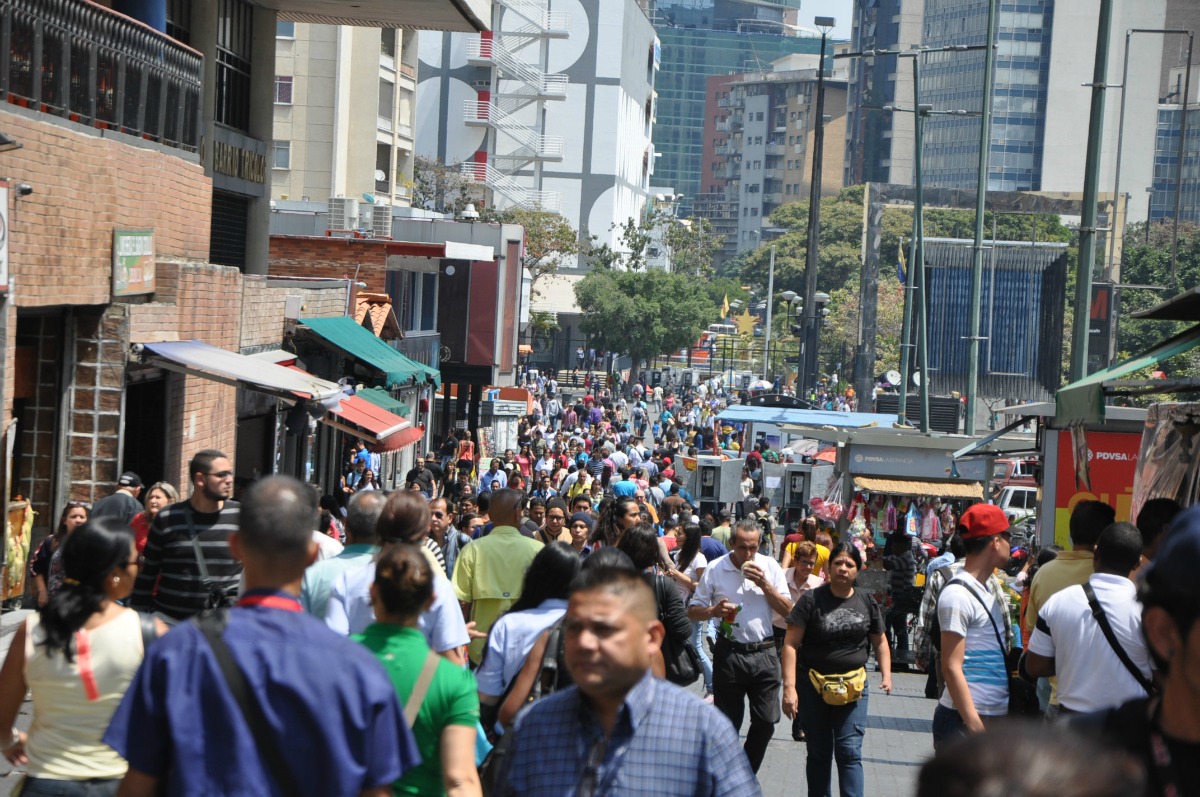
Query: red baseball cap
(982, 520)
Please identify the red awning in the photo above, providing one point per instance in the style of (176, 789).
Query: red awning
(382, 430)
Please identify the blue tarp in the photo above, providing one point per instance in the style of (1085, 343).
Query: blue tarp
(742, 413)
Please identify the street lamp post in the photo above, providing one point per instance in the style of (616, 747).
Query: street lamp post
(825, 24)
(770, 304)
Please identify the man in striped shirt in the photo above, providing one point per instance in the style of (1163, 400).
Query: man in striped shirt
(187, 540)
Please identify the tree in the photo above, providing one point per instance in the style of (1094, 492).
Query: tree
(689, 244)
(840, 333)
(550, 240)
(542, 326)
(441, 188)
(643, 313)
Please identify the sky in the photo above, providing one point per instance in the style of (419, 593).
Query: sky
(838, 9)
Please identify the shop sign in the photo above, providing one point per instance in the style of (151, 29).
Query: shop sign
(1112, 460)
(133, 262)
(912, 463)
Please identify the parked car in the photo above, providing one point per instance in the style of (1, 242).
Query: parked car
(1014, 473)
(1018, 502)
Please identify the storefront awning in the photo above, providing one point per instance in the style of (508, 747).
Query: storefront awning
(1082, 402)
(748, 413)
(346, 335)
(382, 430)
(381, 398)
(948, 489)
(195, 358)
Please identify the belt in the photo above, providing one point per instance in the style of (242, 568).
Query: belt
(747, 647)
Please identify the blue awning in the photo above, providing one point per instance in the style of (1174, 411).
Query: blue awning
(743, 413)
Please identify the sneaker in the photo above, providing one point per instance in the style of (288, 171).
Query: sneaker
(708, 698)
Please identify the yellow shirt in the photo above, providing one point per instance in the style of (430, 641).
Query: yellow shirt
(489, 574)
(822, 557)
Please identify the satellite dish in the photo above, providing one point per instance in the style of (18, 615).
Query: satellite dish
(917, 378)
(380, 175)
(369, 199)
(893, 378)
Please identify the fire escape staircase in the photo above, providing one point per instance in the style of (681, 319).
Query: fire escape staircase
(509, 188)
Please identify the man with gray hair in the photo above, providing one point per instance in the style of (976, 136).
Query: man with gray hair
(185, 729)
(362, 515)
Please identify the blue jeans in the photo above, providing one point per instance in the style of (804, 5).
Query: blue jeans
(833, 732)
(698, 645)
(49, 787)
(947, 726)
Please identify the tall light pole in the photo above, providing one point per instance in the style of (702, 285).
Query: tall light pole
(825, 24)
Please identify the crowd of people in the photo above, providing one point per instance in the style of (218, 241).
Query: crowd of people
(564, 618)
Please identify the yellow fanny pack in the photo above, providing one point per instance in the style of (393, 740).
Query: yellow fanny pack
(839, 690)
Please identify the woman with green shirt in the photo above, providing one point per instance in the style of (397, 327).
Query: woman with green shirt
(449, 712)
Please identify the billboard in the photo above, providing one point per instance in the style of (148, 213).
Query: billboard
(1112, 459)
(133, 262)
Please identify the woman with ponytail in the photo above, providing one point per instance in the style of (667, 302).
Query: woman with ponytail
(77, 655)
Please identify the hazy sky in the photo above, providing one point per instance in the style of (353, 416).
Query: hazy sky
(838, 9)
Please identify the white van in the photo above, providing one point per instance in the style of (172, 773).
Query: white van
(1018, 502)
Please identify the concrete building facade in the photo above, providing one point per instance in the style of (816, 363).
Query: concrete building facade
(344, 106)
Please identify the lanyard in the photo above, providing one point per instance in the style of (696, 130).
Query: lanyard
(271, 601)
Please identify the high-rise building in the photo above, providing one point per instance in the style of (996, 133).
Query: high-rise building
(553, 110)
(701, 39)
(758, 147)
(1181, 15)
(1044, 62)
(344, 104)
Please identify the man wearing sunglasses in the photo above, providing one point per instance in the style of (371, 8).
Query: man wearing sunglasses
(187, 551)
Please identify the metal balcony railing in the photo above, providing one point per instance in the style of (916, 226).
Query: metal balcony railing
(487, 50)
(538, 146)
(510, 188)
(78, 60)
(776, 148)
(555, 24)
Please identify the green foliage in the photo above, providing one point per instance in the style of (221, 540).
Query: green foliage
(1147, 261)
(643, 313)
(550, 240)
(689, 244)
(441, 188)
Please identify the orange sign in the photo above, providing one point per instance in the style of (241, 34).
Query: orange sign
(1112, 459)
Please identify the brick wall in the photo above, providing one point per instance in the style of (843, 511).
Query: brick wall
(85, 186)
(92, 451)
(330, 258)
(263, 322)
(203, 413)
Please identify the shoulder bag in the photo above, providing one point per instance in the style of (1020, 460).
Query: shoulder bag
(1022, 694)
(1106, 627)
(217, 598)
(681, 660)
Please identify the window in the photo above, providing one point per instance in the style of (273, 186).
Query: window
(281, 155)
(387, 100)
(283, 89)
(285, 29)
(235, 36)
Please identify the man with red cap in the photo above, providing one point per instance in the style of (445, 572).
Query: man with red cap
(974, 630)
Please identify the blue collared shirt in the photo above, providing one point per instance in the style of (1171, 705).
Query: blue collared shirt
(339, 735)
(490, 482)
(349, 611)
(665, 743)
(938, 562)
(509, 642)
(319, 577)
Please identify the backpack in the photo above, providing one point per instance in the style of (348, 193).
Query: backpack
(935, 627)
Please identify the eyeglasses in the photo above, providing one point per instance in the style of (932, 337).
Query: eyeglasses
(438, 514)
(558, 518)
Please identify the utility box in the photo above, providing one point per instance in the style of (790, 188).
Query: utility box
(708, 480)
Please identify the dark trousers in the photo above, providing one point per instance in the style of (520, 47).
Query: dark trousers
(738, 675)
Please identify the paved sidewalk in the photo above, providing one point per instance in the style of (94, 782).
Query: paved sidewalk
(898, 740)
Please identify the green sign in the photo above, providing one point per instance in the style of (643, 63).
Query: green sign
(133, 262)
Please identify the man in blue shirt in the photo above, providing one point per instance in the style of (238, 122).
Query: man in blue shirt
(183, 732)
(493, 478)
(362, 514)
(620, 731)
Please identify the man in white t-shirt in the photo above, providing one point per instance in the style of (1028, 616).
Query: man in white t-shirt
(745, 588)
(973, 626)
(1069, 642)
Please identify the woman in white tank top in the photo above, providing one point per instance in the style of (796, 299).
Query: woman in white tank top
(77, 656)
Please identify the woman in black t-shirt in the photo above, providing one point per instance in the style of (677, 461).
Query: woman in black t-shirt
(828, 632)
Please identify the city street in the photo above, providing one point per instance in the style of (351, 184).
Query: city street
(897, 741)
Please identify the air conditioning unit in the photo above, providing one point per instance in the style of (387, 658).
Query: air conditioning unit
(377, 219)
(343, 213)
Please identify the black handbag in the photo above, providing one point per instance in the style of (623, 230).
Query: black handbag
(681, 660)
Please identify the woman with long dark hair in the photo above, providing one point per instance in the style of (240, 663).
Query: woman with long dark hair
(690, 564)
(445, 723)
(824, 671)
(77, 656)
(616, 516)
(45, 568)
(543, 602)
